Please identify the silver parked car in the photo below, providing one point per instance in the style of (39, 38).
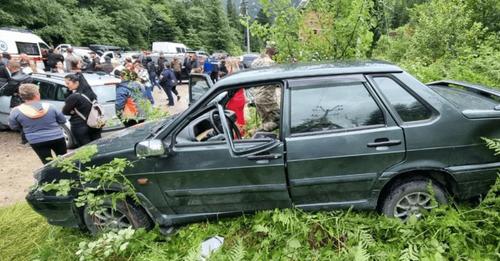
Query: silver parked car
(54, 91)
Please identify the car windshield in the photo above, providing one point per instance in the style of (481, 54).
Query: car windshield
(105, 93)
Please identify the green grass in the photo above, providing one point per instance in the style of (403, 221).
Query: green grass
(25, 235)
(450, 233)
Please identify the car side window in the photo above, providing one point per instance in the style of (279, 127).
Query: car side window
(48, 91)
(406, 105)
(333, 107)
(62, 92)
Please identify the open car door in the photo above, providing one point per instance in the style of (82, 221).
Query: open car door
(199, 84)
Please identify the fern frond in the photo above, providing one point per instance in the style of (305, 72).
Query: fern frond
(238, 252)
(493, 144)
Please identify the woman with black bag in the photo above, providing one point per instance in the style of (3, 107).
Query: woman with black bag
(78, 105)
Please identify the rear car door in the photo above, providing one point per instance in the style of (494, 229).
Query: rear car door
(339, 144)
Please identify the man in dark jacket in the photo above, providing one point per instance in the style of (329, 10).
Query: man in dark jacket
(11, 88)
(4, 75)
(17, 77)
(161, 65)
(151, 67)
(53, 58)
(168, 82)
(92, 63)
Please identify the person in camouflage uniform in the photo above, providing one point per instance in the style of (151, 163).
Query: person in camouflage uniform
(265, 96)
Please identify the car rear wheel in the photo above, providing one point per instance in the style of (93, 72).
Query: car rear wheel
(68, 137)
(123, 216)
(413, 198)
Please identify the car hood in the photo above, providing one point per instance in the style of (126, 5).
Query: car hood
(126, 139)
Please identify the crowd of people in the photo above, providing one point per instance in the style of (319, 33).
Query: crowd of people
(40, 122)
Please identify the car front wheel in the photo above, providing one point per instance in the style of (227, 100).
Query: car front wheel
(123, 216)
(413, 197)
(68, 137)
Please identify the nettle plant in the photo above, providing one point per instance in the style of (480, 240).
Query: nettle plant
(94, 184)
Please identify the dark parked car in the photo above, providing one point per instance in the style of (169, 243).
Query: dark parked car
(365, 135)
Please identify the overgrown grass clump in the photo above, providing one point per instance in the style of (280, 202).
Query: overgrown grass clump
(450, 233)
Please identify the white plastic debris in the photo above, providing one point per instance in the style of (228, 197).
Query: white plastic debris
(210, 245)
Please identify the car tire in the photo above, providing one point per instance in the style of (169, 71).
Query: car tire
(68, 137)
(125, 215)
(412, 198)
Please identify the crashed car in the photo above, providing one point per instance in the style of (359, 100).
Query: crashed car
(362, 135)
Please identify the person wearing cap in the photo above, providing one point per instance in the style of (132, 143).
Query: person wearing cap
(40, 123)
(265, 97)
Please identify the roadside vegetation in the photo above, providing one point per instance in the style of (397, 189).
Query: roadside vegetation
(449, 233)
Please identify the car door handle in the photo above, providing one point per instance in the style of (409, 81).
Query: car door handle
(383, 142)
(264, 157)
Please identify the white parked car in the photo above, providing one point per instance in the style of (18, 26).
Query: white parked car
(79, 51)
(54, 91)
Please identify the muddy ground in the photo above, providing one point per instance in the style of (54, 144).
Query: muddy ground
(17, 161)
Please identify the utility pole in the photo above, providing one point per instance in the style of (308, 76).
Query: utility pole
(244, 4)
(248, 34)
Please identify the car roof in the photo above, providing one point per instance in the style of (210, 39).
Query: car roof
(92, 78)
(301, 70)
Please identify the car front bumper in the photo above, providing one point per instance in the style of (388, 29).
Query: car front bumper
(58, 210)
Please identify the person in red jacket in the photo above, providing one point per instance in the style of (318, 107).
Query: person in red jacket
(238, 101)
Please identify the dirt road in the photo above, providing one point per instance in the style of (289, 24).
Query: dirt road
(17, 162)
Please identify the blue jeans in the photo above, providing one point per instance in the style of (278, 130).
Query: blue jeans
(149, 94)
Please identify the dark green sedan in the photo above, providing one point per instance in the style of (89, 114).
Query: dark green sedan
(365, 135)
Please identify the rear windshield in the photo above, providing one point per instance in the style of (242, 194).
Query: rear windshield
(28, 48)
(105, 93)
(466, 100)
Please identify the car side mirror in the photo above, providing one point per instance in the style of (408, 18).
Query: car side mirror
(497, 108)
(150, 148)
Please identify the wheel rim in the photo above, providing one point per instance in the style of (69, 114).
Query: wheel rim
(415, 203)
(110, 219)
(66, 137)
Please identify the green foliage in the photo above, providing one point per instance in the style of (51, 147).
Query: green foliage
(443, 40)
(108, 245)
(95, 184)
(448, 233)
(127, 23)
(493, 144)
(324, 30)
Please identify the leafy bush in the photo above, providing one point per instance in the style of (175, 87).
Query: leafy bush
(449, 233)
(95, 184)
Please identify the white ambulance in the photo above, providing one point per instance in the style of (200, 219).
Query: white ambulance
(17, 41)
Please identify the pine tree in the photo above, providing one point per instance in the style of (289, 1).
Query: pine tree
(262, 17)
(232, 15)
(217, 27)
